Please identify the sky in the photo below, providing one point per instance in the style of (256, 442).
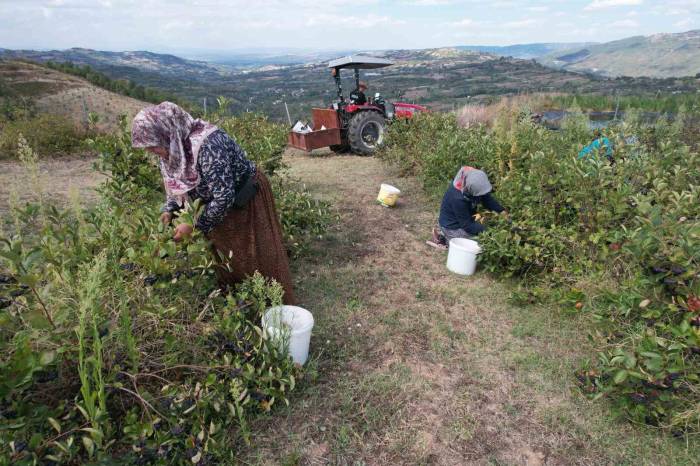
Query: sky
(224, 25)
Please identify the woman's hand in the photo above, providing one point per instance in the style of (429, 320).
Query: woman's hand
(182, 231)
(166, 218)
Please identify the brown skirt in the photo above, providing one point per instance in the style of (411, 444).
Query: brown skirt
(253, 235)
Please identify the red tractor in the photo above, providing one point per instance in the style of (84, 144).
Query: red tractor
(347, 126)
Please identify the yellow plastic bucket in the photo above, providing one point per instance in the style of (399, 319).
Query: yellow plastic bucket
(388, 195)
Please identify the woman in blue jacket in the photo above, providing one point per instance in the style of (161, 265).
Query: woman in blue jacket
(600, 145)
(470, 188)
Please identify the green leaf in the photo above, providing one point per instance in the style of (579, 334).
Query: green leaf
(28, 279)
(96, 434)
(620, 377)
(47, 357)
(17, 425)
(89, 445)
(54, 423)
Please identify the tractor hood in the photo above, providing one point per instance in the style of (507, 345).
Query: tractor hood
(359, 62)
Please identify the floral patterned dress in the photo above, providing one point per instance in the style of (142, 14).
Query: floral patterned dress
(223, 168)
(251, 236)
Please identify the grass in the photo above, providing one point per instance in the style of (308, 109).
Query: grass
(61, 176)
(412, 365)
(33, 89)
(78, 102)
(69, 96)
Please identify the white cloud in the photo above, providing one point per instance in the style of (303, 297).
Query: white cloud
(686, 23)
(430, 2)
(625, 23)
(360, 22)
(522, 23)
(505, 4)
(463, 23)
(601, 4)
(177, 25)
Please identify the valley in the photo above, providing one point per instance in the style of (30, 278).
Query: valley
(444, 79)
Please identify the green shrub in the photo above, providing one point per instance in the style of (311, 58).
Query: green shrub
(116, 345)
(263, 140)
(49, 135)
(302, 217)
(619, 241)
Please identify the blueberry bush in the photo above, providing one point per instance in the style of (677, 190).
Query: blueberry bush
(618, 240)
(116, 344)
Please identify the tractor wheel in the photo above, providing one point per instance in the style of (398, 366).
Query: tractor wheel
(366, 132)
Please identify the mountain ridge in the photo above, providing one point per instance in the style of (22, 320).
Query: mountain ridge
(525, 51)
(164, 63)
(440, 77)
(661, 55)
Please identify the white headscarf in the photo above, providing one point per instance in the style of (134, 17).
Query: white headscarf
(471, 181)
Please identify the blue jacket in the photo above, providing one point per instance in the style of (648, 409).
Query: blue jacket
(457, 210)
(595, 146)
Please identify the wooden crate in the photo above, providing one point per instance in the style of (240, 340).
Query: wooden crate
(314, 140)
(325, 117)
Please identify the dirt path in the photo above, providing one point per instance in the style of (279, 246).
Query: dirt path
(414, 365)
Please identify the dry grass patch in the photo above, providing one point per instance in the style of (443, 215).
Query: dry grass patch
(59, 93)
(57, 177)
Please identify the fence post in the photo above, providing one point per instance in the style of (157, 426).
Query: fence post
(289, 118)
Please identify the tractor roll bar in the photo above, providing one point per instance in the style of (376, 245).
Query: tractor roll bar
(357, 63)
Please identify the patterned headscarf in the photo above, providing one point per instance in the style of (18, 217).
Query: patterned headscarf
(471, 181)
(169, 126)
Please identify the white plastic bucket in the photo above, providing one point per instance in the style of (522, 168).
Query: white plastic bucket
(292, 325)
(461, 257)
(388, 195)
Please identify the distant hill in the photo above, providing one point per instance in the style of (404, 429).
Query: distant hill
(262, 57)
(258, 58)
(62, 94)
(525, 51)
(443, 78)
(660, 56)
(164, 64)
